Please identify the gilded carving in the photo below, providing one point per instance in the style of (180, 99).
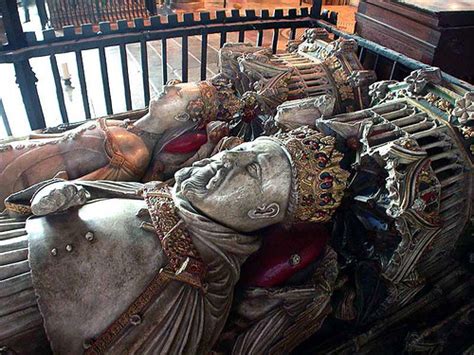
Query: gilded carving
(302, 210)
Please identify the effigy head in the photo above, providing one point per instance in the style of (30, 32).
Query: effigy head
(181, 103)
(293, 177)
(245, 188)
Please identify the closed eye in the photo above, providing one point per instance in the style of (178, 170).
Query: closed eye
(254, 171)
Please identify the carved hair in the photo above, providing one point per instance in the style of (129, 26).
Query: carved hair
(294, 197)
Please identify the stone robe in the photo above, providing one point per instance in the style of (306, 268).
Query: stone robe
(83, 291)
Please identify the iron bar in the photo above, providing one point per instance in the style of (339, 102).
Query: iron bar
(204, 56)
(361, 54)
(90, 41)
(26, 80)
(82, 82)
(392, 72)
(315, 11)
(223, 38)
(184, 58)
(145, 76)
(42, 13)
(126, 79)
(164, 61)
(11, 21)
(259, 38)
(376, 62)
(6, 123)
(292, 33)
(105, 80)
(241, 36)
(59, 88)
(275, 40)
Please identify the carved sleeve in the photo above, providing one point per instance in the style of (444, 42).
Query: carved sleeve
(19, 203)
(277, 320)
(112, 189)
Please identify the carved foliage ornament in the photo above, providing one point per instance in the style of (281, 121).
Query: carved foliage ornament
(378, 91)
(361, 78)
(414, 194)
(418, 79)
(313, 40)
(342, 45)
(344, 87)
(228, 103)
(442, 104)
(312, 34)
(464, 108)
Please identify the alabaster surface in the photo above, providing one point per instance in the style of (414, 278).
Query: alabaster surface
(293, 213)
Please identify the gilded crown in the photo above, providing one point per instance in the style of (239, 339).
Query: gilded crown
(319, 180)
(216, 102)
(204, 109)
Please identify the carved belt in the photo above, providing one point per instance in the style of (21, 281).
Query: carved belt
(184, 264)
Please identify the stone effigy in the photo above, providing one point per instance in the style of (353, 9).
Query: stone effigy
(412, 164)
(122, 150)
(344, 215)
(194, 264)
(384, 194)
(187, 121)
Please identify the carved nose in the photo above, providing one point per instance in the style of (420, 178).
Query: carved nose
(168, 88)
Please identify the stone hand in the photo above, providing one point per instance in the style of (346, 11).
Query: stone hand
(58, 197)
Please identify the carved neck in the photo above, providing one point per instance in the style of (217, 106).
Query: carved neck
(217, 244)
(149, 124)
(150, 139)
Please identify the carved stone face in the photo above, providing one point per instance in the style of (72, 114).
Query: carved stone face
(169, 109)
(246, 188)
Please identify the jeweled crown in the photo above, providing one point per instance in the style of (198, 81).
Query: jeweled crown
(318, 177)
(217, 102)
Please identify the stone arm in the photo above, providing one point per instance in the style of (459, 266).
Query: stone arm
(216, 132)
(276, 320)
(111, 189)
(181, 153)
(279, 319)
(57, 195)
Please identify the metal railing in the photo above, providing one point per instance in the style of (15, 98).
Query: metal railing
(24, 46)
(387, 63)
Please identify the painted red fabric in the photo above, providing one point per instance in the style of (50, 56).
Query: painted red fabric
(186, 143)
(283, 253)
